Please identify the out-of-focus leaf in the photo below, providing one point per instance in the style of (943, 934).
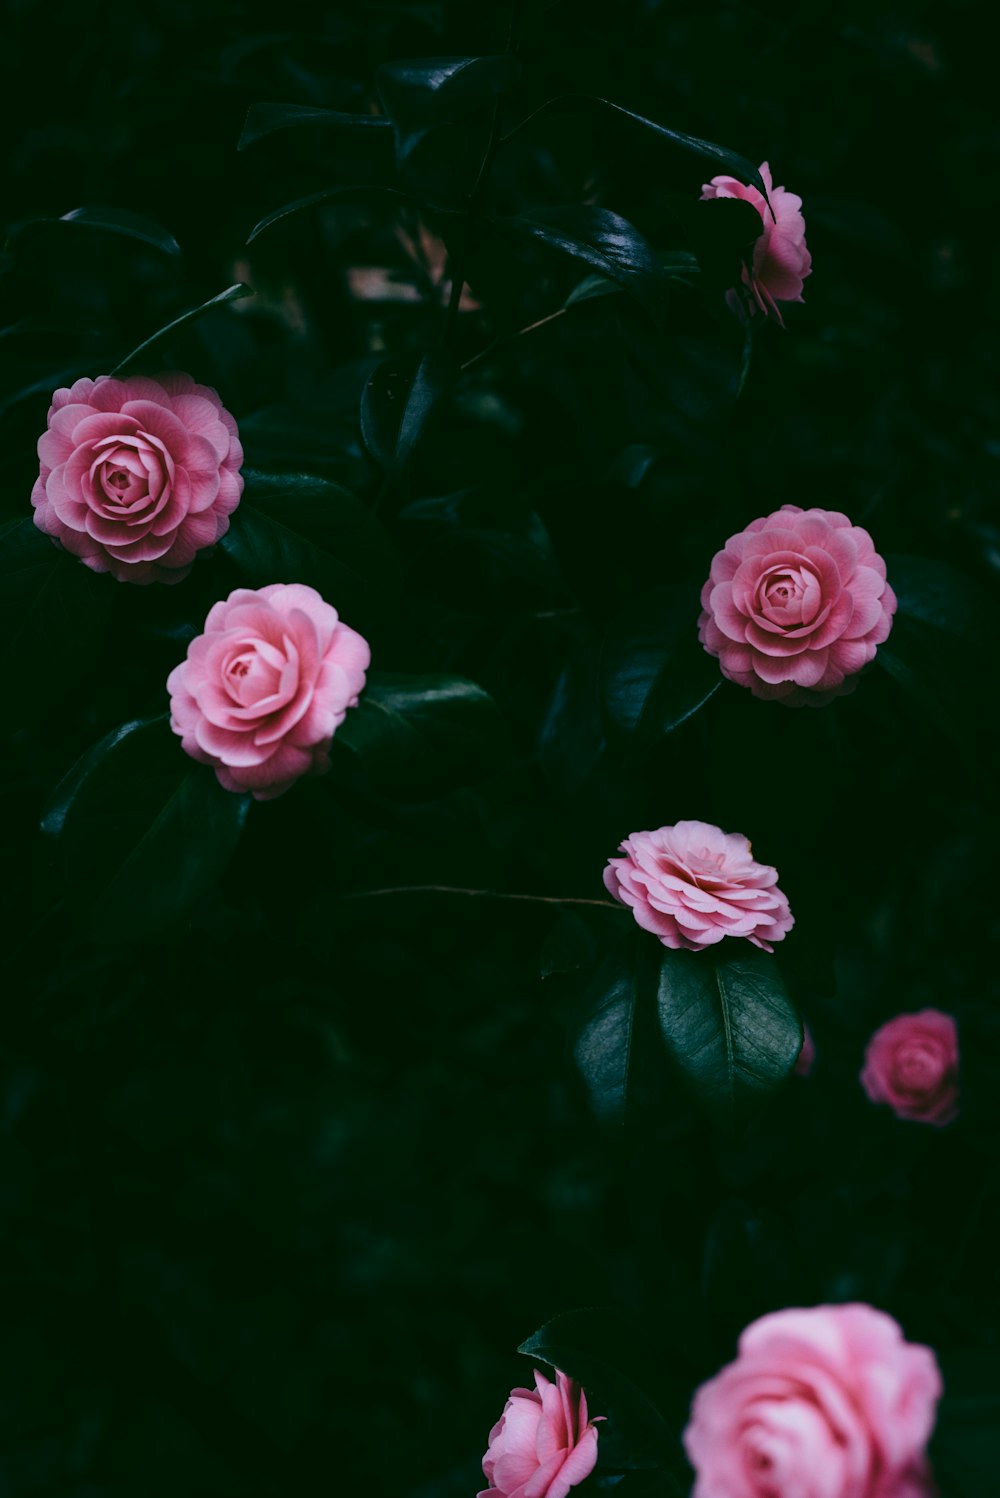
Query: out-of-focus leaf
(721, 233)
(356, 193)
(416, 735)
(517, 538)
(674, 263)
(297, 527)
(654, 673)
(599, 238)
(719, 157)
(55, 612)
(266, 119)
(139, 833)
(113, 221)
(397, 401)
(231, 294)
(729, 1027)
(572, 738)
(939, 595)
(421, 93)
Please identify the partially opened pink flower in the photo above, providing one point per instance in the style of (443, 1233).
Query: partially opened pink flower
(828, 1402)
(780, 261)
(911, 1063)
(543, 1443)
(264, 688)
(137, 475)
(796, 604)
(692, 884)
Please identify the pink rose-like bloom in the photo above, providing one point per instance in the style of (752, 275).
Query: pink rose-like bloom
(692, 884)
(795, 605)
(780, 260)
(543, 1443)
(137, 475)
(911, 1063)
(828, 1402)
(266, 685)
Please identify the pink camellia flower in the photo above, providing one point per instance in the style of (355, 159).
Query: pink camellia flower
(828, 1402)
(692, 884)
(137, 475)
(780, 260)
(543, 1443)
(266, 685)
(911, 1063)
(795, 605)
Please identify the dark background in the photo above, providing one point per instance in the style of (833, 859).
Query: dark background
(282, 1188)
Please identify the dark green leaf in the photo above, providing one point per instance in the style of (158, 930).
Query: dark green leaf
(266, 119)
(231, 294)
(673, 263)
(729, 1026)
(939, 595)
(114, 221)
(397, 401)
(294, 526)
(55, 612)
(572, 738)
(965, 1449)
(616, 1048)
(139, 833)
(599, 238)
(568, 947)
(595, 1346)
(416, 735)
(721, 233)
(654, 673)
(721, 159)
(425, 92)
(515, 537)
(357, 193)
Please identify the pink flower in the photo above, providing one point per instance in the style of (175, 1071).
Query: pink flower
(828, 1402)
(543, 1444)
(266, 685)
(911, 1063)
(693, 884)
(795, 605)
(137, 475)
(781, 260)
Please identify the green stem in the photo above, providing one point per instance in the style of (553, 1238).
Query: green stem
(482, 894)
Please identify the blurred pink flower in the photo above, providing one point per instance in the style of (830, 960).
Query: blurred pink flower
(137, 475)
(828, 1402)
(780, 261)
(911, 1063)
(264, 688)
(543, 1444)
(692, 884)
(807, 1055)
(796, 604)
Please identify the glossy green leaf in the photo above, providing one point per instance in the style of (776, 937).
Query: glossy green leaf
(422, 93)
(616, 1049)
(678, 264)
(728, 1025)
(55, 613)
(397, 401)
(296, 527)
(416, 735)
(600, 1347)
(718, 157)
(138, 833)
(231, 294)
(121, 221)
(654, 673)
(721, 233)
(601, 239)
(267, 119)
(355, 193)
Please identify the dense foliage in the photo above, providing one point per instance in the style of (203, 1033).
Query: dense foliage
(314, 1110)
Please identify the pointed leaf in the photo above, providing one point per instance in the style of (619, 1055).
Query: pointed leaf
(397, 401)
(421, 93)
(654, 673)
(599, 238)
(355, 193)
(416, 735)
(231, 294)
(297, 526)
(616, 1050)
(729, 1026)
(266, 119)
(139, 833)
(120, 221)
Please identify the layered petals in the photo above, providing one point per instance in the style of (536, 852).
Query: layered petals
(796, 605)
(781, 260)
(543, 1444)
(692, 884)
(911, 1064)
(264, 688)
(137, 475)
